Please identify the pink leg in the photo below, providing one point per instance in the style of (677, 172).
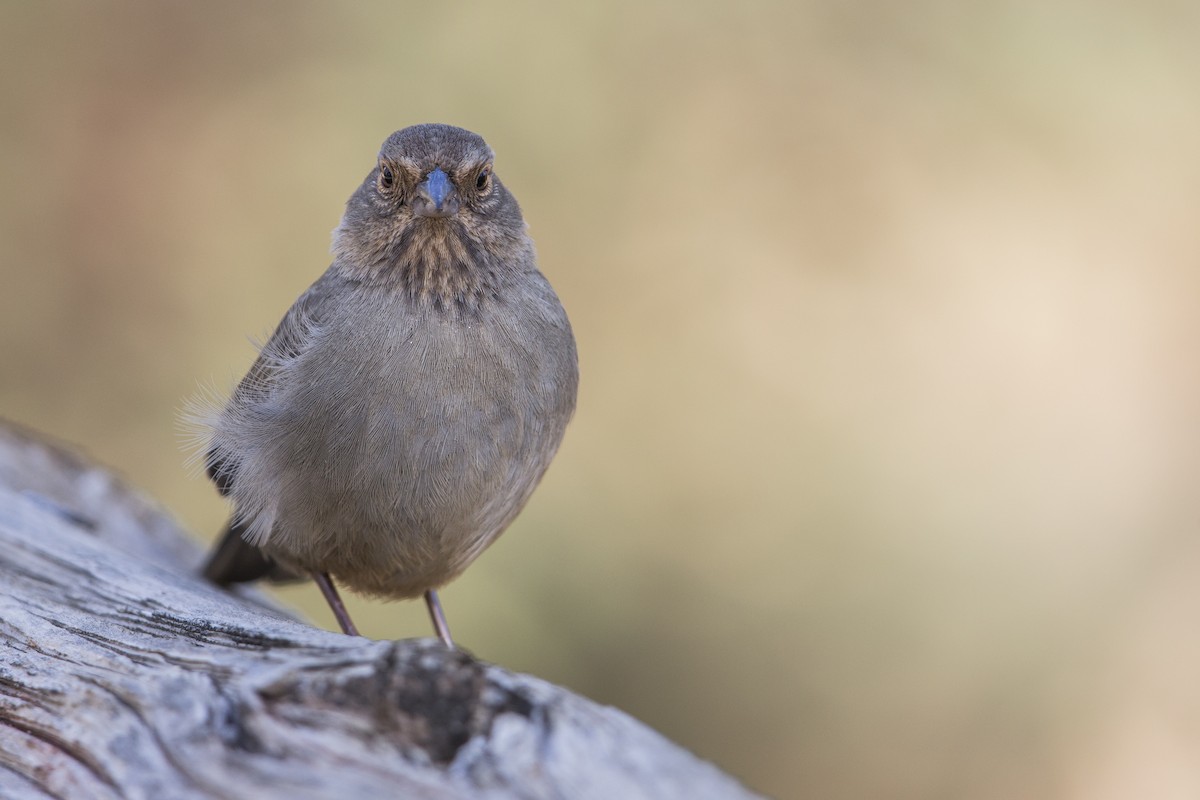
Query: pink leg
(335, 602)
(439, 618)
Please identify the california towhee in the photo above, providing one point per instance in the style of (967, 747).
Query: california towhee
(409, 402)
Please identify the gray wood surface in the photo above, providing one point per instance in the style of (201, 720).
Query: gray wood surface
(123, 675)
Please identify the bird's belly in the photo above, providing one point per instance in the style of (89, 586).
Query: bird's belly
(395, 486)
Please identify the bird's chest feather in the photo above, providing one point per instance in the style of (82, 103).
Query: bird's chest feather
(415, 392)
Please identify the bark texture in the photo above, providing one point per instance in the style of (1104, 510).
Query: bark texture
(124, 675)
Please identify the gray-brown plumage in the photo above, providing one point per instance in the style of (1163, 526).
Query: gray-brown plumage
(410, 401)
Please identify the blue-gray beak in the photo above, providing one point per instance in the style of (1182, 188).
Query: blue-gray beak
(435, 196)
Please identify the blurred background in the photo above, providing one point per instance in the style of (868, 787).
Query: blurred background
(883, 481)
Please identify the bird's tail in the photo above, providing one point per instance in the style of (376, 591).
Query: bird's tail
(234, 560)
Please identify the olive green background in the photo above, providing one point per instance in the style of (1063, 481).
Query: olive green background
(883, 481)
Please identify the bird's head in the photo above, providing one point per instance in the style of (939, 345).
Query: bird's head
(432, 202)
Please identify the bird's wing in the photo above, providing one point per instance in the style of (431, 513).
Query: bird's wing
(285, 343)
(233, 559)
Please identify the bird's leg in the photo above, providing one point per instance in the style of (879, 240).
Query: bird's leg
(335, 602)
(438, 617)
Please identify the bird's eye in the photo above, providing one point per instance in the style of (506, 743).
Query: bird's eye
(387, 178)
(483, 180)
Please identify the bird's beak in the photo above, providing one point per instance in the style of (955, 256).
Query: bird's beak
(435, 196)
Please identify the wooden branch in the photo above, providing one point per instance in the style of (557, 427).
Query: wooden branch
(123, 675)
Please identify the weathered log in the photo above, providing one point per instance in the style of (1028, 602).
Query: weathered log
(124, 675)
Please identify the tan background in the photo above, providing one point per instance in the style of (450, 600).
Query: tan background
(884, 477)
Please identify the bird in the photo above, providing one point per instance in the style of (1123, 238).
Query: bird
(409, 402)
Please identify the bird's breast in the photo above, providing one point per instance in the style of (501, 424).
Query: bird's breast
(402, 439)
